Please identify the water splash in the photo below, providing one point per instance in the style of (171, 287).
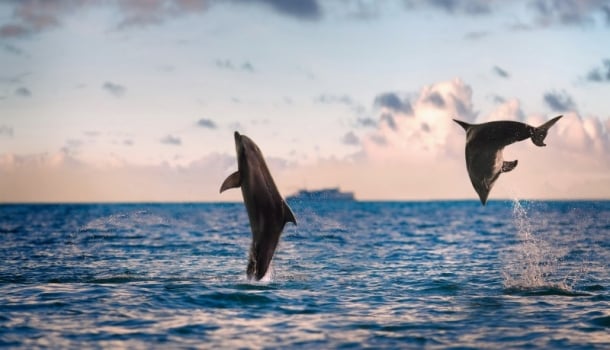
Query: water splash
(533, 264)
(269, 275)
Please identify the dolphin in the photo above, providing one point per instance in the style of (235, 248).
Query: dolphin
(267, 211)
(484, 145)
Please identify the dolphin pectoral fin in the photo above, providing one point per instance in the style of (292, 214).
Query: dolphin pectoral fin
(288, 214)
(508, 166)
(232, 181)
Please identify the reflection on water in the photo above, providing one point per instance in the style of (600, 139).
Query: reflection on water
(381, 275)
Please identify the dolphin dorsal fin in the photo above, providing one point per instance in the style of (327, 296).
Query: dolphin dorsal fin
(232, 181)
(462, 124)
(288, 214)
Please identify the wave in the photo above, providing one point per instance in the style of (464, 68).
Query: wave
(544, 291)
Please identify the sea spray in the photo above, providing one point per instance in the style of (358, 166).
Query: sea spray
(533, 263)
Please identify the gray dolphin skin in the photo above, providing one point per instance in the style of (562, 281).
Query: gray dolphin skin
(484, 145)
(267, 210)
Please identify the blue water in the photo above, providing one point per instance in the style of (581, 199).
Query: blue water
(350, 275)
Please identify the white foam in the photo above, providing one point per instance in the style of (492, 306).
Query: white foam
(268, 277)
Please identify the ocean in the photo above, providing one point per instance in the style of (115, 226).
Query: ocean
(434, 275)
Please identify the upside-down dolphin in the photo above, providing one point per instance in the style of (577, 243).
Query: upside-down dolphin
(484, 145)
(267, 211)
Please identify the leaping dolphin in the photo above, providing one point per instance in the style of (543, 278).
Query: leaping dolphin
(484, 145)
(267, 211)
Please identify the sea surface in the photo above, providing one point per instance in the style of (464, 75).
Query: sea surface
(434, 275)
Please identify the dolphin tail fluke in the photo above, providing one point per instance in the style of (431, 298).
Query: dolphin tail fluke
(540, 132)
(259, 261)
(463, 124)
(251, 270)
(232, 181)
(508, 166)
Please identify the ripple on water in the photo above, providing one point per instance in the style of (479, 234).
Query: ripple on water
(377, 275)
(542, 291)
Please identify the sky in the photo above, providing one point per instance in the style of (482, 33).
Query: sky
(121, 101)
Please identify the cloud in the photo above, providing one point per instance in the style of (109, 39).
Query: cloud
(6, 130)
(59, 177)
(366, 122)
(476, 35)
(501, 72)
(470, 7)
(359, 10)
(302, 9)
(389, 120)
(72, 147)
(392, 102)
(14, 79)
(114, 89)
(144, 13)
(559, 101)
(13, 31)
(426, 129)
(30, 17)
(350, 139)
(171, 140)
(602, 74)
(569, 12)
(247, 66)
(496, 98)
(23, 92)
(436, 99)
(13, 49)
(206, 123)
(421, 157)
(334, 99)
(544, 12)
(229, 65)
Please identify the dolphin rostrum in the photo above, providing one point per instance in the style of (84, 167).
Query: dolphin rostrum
(267, 211)
(484, 145)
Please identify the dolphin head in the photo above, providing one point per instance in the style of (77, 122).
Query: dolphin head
(238, 144)
(245, 148)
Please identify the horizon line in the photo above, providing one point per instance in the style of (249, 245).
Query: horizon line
(306, 201)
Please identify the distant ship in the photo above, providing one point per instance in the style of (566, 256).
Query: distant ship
(323, 194)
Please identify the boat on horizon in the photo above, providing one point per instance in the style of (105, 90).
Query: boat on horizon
(322, 194)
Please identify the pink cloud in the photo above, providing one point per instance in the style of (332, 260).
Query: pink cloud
(421, 155)
(403, 161)
(147, 12)
(33, 16)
